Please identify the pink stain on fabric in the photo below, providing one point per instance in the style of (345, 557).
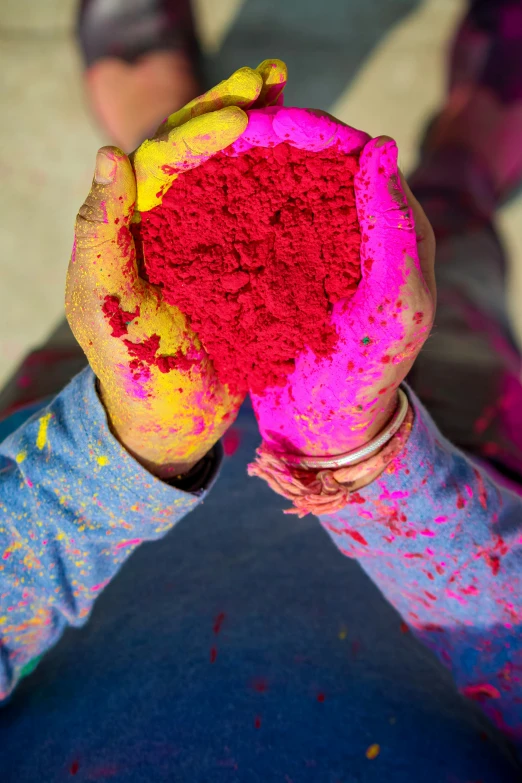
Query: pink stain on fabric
(131, 542)
(231, 441)
(481, 692)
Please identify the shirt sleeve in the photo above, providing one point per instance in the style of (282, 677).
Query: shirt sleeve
(74, 505)
(442, 539)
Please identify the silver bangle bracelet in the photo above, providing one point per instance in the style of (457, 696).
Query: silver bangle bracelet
(351, 457)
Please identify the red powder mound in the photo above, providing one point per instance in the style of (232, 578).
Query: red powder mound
(255, 249)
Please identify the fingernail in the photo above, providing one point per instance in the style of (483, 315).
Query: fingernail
(382, 140)
(105, 169)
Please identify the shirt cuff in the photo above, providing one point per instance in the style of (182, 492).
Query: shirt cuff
(80, 411)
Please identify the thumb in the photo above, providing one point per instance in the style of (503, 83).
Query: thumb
(103, 248)
(387, 223)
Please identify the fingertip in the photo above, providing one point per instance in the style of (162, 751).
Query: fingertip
(305, 128)
(378, 168)
(114, 179)
(233, 115)
(273, 71)
(380, 141)
(111, 162)
(242, 88)
(212, 132)
(106, 165)
(382, 150)
(274, 74)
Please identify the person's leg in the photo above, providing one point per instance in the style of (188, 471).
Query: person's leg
(142, 63)
(468, 374)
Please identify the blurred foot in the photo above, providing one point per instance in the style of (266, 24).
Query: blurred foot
(131, 100)
(142, 63)
(483, 112)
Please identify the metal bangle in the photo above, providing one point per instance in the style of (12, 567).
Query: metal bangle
(351, 457)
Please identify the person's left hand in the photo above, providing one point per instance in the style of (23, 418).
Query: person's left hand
(337, 404)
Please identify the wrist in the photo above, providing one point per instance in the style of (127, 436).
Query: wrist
(325, 485)
(379, 422)
(353, 432)
(354, 456)
(162, 453)
(161, 465)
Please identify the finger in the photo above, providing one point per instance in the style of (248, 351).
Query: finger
(157, 162)
(274, 74)
(102, 270)
(311, 129)
(386, 219)
(103, 250)
(307, 129)
(425, 237)
(240, 89)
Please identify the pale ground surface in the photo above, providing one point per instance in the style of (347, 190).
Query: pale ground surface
(48, 140)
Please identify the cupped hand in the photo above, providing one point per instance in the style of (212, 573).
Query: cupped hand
(161, 393)
(333, 405)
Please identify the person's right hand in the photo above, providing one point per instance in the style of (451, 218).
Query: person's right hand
(163, 398)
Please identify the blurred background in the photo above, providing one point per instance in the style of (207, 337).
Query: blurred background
(379, 65)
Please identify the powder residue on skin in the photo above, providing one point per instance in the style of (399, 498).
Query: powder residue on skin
(145, 353)
(118, 318)
(255, 249)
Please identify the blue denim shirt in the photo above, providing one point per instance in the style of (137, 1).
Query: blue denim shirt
(242, 645)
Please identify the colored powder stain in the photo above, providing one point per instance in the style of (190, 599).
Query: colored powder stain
(321, 697)
(21, 456)
(493, 562)
(481, 692)
(373, 751)
(482, 493)
(255, 249)
(343, 633)
(118, 318)
(131, 542)
(102, 461)
(213, 655)
(261, 686)
(257, 722)
(231, 442)
(404, 627)
(43, 426)
(357, 536)
(75, 766)
(218, 622)
(145, 355)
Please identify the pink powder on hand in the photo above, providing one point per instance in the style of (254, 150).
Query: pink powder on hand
(255, 248)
